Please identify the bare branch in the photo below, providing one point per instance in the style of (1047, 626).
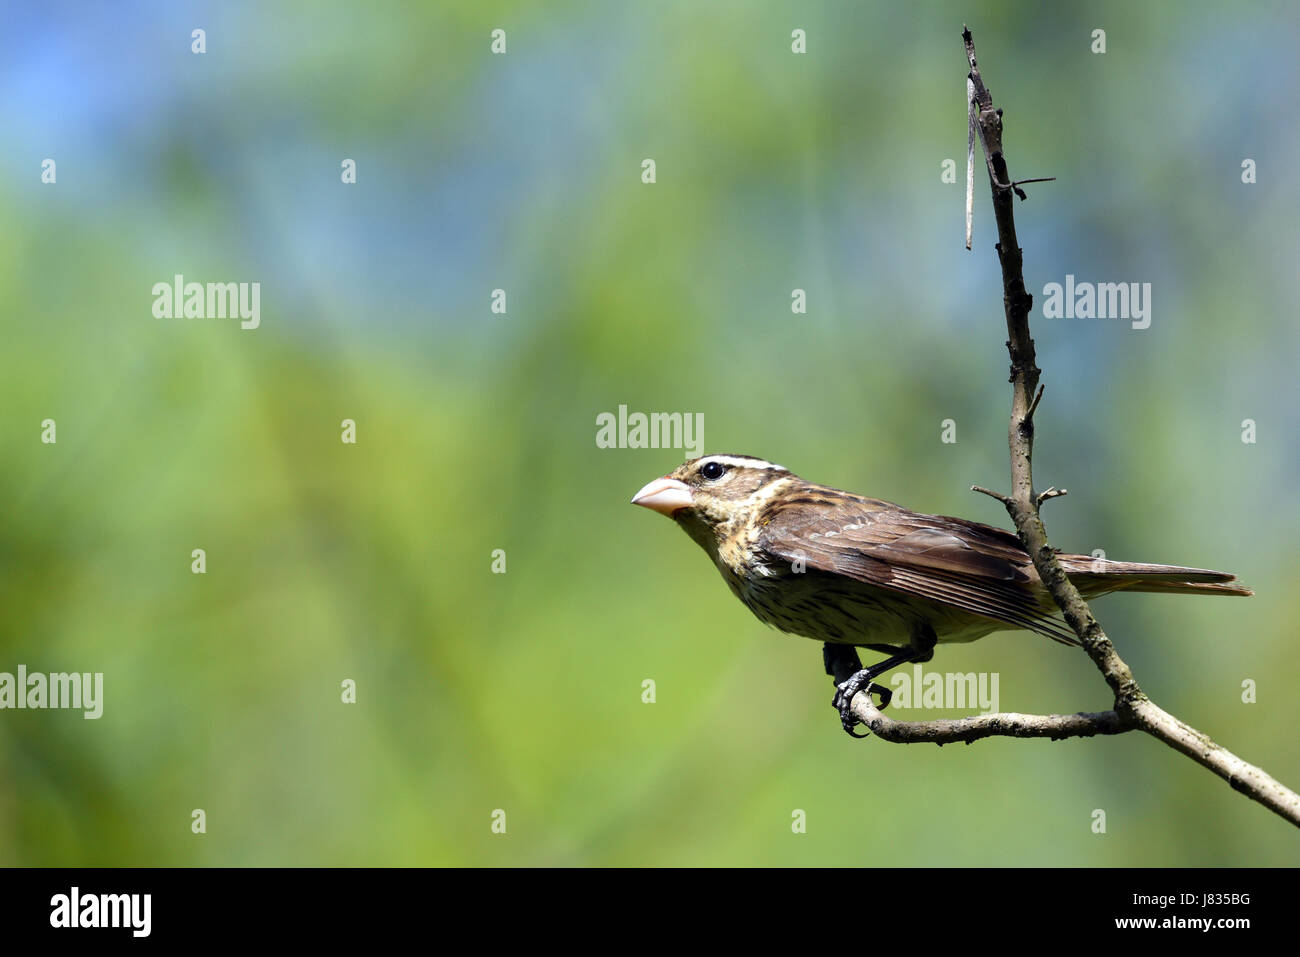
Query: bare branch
(966, 730)
(1132, 706)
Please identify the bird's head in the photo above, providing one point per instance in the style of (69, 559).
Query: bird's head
(710, 496)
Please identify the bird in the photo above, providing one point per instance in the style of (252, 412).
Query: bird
(856, 572)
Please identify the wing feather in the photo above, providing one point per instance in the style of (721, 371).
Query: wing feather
(961, 564)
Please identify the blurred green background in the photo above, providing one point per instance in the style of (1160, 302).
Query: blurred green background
(476, 431)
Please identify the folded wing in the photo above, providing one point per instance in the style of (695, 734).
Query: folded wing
(965, 565)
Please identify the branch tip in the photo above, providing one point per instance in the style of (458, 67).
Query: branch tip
(1004, 499)
(1050, 493)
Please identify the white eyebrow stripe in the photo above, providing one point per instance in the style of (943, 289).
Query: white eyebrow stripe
(744, 463)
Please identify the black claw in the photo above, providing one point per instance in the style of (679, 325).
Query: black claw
(843, 701)
(848, 720)
(886, 696)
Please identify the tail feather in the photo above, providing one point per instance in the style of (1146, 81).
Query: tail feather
(1099, 576)
(1189, 588)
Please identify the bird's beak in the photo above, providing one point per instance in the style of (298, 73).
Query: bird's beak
(664, 495)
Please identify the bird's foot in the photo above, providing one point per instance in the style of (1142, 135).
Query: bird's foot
(847, 690)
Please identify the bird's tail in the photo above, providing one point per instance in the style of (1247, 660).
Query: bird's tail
(1098, 576)
(1192, 588)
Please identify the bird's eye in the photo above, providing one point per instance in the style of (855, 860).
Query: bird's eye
(713, 470)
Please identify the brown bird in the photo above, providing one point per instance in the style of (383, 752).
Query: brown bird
(852, 571)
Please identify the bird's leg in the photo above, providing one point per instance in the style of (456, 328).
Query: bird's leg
(921, 649)
(841, 660)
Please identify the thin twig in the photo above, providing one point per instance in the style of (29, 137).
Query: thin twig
(1033, 406)
(972, 112)
(1052, 492)
(991, 494)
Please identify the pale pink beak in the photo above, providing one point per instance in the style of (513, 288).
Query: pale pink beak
(664, 495)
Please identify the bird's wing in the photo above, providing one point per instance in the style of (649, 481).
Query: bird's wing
(965, 565)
